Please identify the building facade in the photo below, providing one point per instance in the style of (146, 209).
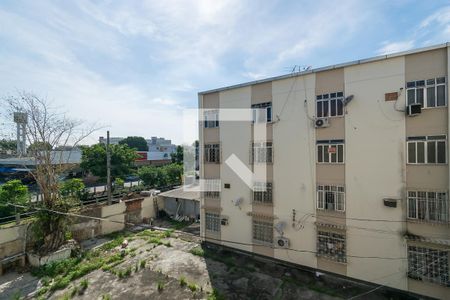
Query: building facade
(356, 169)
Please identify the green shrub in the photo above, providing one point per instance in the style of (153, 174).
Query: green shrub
(197, 251)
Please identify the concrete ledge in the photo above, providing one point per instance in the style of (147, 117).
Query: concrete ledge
(37, 261)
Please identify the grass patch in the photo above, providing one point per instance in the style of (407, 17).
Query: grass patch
(58, 275)
(198, 251)
(215, 295)
(183, 281)
(160, 286)
(192, 287)
(142, 264)
(177, 225)
(106, 297)
(112, 244)
(168, 233)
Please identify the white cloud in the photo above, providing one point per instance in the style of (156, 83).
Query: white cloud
(434, 29)
(392, 47)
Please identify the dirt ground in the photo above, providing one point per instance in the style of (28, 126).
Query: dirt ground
(179, 267)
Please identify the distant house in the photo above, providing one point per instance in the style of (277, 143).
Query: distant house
(152, 158)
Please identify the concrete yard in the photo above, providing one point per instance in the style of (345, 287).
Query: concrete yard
(173, 265)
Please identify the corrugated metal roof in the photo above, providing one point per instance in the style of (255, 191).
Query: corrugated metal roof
(187, 193)
(331, 67)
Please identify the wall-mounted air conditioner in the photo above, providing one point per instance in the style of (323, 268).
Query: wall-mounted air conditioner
(282, 242)
(322, 122)
(414, 110)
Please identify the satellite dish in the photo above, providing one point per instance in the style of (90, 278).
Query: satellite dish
(348, 99)
(237, 201)
(279, 227)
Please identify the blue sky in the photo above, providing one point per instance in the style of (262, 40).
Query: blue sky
(135, 65)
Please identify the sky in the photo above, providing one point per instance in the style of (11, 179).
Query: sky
(133, 67)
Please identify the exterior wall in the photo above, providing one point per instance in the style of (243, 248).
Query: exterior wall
(375, 168)
(239, 228)
(428, 177)
(261, 93)
(294, 167)
(188, 208)
(209, 170)
(375, 160)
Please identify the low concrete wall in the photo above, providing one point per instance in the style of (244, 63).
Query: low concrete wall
(12, 240)
(116, 214)
(37, 261)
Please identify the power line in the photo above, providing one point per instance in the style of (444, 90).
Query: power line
(221, 240)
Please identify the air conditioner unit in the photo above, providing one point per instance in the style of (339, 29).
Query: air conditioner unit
(321, 122)
(389, 202)
(282, 242)
(414, 110)
(224, 221)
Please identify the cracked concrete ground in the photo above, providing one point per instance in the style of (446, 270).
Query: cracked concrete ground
(169, 262)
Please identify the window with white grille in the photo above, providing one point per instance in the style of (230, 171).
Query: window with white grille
(212, 153)
(330, 151)
(262, 192)
(330, 105)
(211, 188)
(211, 118)
(427, 149)
(331, 245)
(428, 206)
(212, 222)
(262, 152)
(331, 197)
(428, 93)
(262, 112)
(263, 231)
(428, 264)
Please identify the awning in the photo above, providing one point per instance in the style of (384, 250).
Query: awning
(186, 193)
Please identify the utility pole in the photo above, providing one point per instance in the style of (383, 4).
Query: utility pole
(108, 169)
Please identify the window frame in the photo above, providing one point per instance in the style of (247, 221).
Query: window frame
(262, 196)
(424, 262)
(212, 222)
(424, 85)
(416, 199)
(263, 105)
(326, 100)
(325, 238)
(208, 149)
(262, 153)
(322, 146)
(323, 191)
(267, 238)
(426, 141)
(214, 121)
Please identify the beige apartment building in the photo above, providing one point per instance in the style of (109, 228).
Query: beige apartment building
(356, 164)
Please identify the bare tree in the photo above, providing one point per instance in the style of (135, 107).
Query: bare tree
(48, 129)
